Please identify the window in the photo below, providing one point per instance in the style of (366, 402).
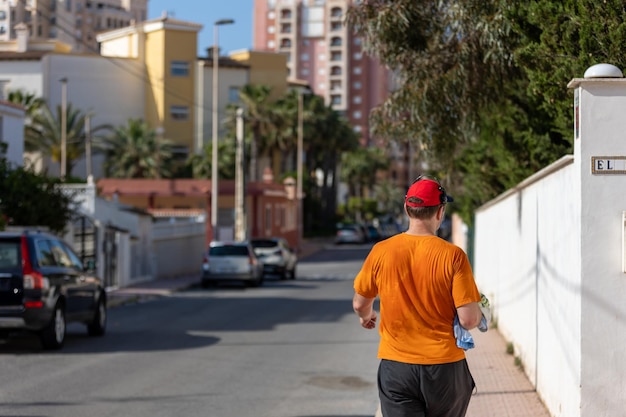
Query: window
(285, 14)
(358, 55)
(336, 41)
(335, 100)
(304, 57)
(179, 68)
(271, 29)
(233, 94)
(335, 85)
(357, 85)
(356, 114)
(335, 56)
(336, 12)
(357, 70)
(358, 129)
(335, 26)
(285, 28)
(271, 44)
(335, 71)
(304, 71)
(356, 100)
(45, 257)
(179, 113)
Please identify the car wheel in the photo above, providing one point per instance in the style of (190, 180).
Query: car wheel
(98, 325)
(208, 283)
(283, 274)
(53, 335)
(257, 282)
(292, 273)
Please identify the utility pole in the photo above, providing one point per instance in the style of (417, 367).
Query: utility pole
(240, 182)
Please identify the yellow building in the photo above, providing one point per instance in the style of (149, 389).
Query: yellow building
(167, 47)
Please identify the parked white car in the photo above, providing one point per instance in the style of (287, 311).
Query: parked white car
(278, 258)
(231, 261)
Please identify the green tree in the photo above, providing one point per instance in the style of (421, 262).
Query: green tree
(482, 84)
(28, 199)
(359, 169)
(43, 134)
(201, 163)
(136, 151)
(30, 102)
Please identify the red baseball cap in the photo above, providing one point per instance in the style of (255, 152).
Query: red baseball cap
(426, 193)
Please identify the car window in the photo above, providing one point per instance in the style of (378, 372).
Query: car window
(263, 243)
(45, 257)
(228, 251)
(60, 255)
(10, 254)
(74, 259)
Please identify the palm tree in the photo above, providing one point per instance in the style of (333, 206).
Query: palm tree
(259, 121)
(136, 151)
(43, 134)
(201, 164)
(30, 102)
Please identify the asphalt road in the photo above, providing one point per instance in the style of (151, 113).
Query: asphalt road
(286, 349)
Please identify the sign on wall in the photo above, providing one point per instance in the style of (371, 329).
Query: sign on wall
(608, 165)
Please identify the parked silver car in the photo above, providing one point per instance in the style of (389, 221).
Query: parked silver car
(350, 233)
(231, 261)
(278, 258)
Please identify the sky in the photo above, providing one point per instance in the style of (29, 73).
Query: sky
(206, 12)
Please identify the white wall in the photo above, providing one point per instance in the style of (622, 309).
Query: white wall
(602, 126)
(227, 77)
(113, 89)
(23, 75)
(550, 253)
(12, 132)
(526, 262)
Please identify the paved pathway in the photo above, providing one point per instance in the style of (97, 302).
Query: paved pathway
(503, 390)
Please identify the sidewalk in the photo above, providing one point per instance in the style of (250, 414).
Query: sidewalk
(502, 389)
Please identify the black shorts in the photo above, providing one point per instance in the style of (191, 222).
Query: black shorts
(424, 390)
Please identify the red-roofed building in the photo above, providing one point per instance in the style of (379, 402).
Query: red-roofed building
(270, 209)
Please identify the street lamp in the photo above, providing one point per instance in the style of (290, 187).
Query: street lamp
(63, 126)
(214, 180)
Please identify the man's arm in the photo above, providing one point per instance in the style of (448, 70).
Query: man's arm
(363, 307)
(469, 315)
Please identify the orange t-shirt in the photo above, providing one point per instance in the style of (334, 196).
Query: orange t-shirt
(420, 280)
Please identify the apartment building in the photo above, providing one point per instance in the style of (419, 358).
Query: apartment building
(73, 22)
(322, 50)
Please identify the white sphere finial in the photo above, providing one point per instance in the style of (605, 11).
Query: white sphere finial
(603, 71)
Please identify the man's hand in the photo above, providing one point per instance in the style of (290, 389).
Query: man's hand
(369, 322)
(363, 307)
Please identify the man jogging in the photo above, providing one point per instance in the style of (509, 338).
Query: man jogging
(423, 283)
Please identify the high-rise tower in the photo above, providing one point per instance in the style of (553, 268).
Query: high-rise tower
(322, 50)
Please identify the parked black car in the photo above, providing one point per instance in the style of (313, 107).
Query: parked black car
(43, 285)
